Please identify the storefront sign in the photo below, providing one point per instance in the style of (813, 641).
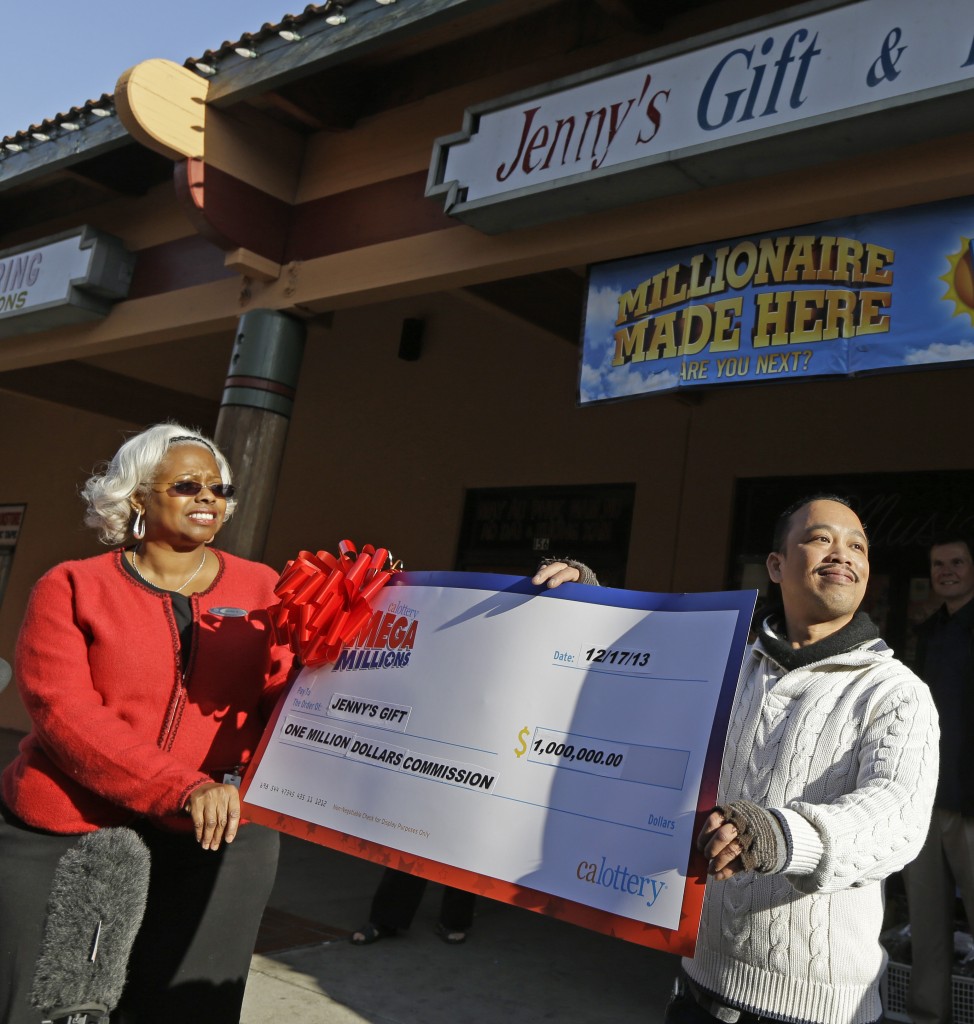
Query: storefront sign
(650, 126)
(880, 292)
(70, 278)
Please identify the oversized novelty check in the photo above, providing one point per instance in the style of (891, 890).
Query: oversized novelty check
(551, 748)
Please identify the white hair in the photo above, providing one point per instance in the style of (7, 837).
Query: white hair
(108, 493)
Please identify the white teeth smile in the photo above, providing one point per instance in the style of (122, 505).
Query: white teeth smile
(203, 517)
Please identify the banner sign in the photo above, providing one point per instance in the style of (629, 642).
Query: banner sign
(643, 127)
(554, 749)
(884, 291)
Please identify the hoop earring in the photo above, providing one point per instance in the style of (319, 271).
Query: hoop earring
(138, 525)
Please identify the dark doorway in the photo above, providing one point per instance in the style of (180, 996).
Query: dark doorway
(902, 512)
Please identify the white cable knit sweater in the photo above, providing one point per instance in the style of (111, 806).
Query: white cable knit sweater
(847, 749)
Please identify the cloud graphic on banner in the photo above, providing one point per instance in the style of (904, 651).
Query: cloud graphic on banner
(598, 378)
(602, 308)
(603, 305)
(595, 384)
(664, 380)
(941, 352)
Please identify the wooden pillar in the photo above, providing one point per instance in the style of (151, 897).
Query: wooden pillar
(252, 426)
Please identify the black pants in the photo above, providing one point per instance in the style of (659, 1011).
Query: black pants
(684, 1009)
(398, 897)
(192, 954)
(28, 860)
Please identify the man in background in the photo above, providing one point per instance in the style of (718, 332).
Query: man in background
(945, 661)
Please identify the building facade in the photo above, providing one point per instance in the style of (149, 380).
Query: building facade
(313, 170)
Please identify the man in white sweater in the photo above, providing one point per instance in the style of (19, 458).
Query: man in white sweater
(826, 787)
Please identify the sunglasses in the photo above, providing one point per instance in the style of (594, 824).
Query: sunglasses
(190, 488)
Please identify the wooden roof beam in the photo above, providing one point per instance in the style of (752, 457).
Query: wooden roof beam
(79, 385)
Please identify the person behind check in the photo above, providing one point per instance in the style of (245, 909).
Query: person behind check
(826, 788)
(148, 673)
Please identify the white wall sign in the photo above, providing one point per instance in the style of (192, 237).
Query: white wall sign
(11, 520)
(672, 108)
(11, 523)
(68, 278)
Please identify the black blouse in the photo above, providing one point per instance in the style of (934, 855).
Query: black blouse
(182, 609)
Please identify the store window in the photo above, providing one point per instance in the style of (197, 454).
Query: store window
(510, 529)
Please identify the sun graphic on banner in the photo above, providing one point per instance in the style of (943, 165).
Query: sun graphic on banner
(960, 280)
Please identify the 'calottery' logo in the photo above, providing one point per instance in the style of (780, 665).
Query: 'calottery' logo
(621, 879)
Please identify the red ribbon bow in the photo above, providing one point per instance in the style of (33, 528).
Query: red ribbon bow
(325, 601)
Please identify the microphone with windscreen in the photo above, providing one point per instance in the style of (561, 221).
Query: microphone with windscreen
(5, 673)
(93, 915)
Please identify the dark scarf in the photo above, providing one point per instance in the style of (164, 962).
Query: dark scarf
(860, 629)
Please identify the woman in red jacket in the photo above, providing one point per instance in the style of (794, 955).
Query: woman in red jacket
(148, 673)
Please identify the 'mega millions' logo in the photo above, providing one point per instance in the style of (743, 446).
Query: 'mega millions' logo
(385, 641)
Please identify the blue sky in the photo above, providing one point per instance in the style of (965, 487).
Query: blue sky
(59, 53)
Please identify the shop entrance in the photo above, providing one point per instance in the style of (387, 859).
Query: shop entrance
(902, 512)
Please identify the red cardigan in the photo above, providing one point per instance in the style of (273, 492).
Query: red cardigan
(117, 730)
